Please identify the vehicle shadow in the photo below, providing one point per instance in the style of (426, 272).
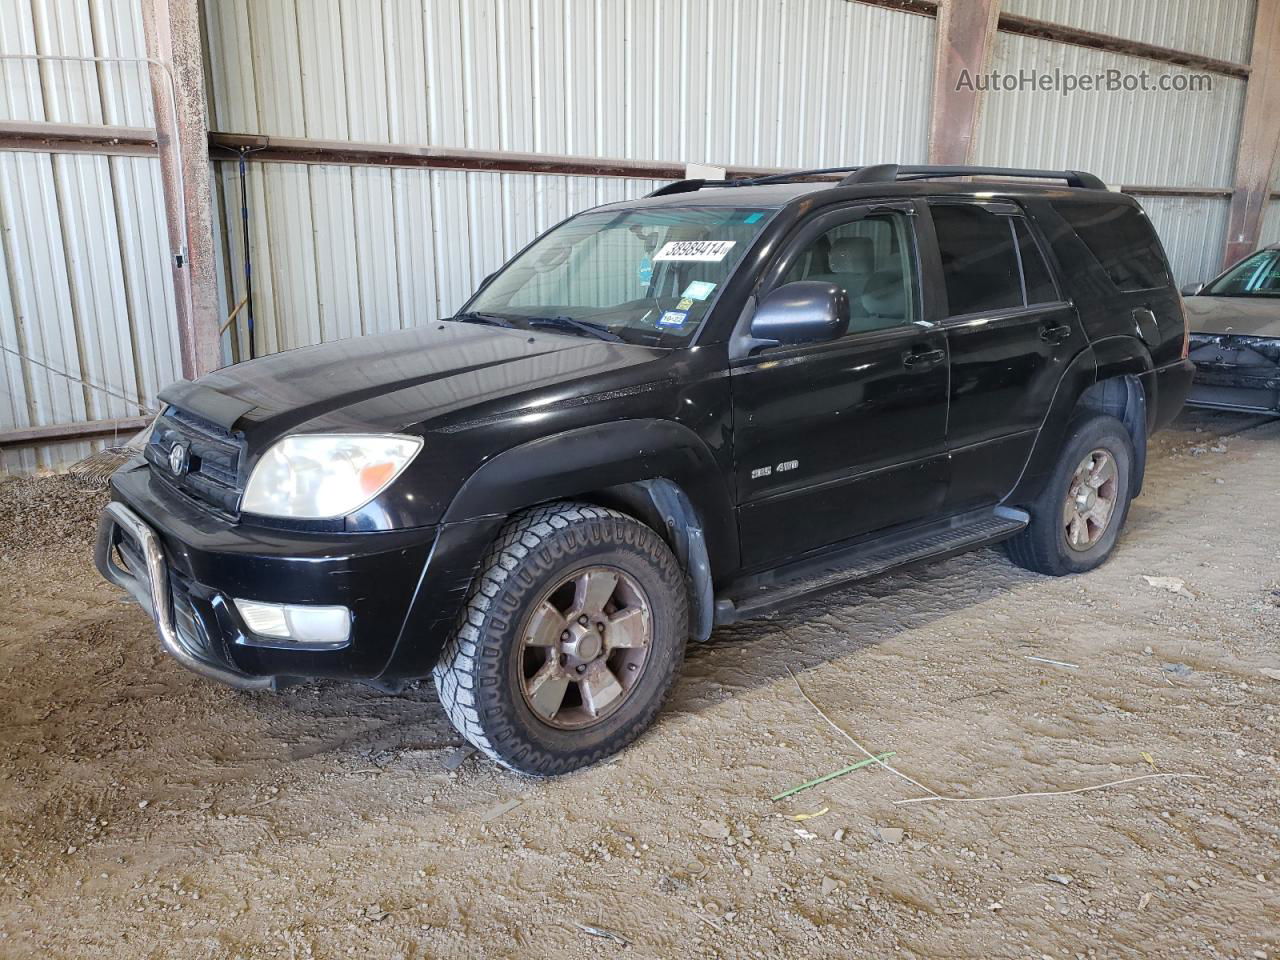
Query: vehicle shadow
(844, 621)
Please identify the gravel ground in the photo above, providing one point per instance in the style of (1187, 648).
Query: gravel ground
(148, 813)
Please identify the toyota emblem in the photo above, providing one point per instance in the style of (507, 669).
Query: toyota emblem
(179, 459)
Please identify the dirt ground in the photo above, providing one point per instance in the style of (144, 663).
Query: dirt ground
(145, 812)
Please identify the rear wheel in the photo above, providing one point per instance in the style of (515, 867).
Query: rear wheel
(1076, 519)
(569, 641)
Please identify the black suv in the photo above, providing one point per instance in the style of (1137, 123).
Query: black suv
(661, 416)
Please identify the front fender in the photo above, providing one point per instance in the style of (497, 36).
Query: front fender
(576, 462)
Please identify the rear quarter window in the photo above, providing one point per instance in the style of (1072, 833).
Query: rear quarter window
(1121, 240)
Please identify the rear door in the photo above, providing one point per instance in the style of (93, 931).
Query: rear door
(1010, 334)
(834, 440)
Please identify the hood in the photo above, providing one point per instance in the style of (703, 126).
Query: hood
(1252, 317)
(400, 381)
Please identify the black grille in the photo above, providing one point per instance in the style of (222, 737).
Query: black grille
(215, 457)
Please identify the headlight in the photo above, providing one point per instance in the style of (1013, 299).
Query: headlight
(324, 476)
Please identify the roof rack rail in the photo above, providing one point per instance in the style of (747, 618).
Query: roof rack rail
(890, 172)
(794, 175)
(678, 186)
(688, 186)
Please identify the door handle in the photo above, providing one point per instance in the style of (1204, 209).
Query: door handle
(1055, 334)
(914, 360)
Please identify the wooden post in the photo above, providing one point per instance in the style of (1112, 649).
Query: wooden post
(172, 29)
(1259, 141)
(966, 31)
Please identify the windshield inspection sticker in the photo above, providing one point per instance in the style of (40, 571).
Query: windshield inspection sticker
(685, 304)
(672, 318)
(698, 290)
(710, 251)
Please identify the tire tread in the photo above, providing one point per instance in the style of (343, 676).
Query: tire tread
(456, 673)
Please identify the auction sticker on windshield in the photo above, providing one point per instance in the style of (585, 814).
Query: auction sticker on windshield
(704, 251)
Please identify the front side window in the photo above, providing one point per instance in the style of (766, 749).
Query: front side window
(646, 276)
(1255, 276)
(871, 259)
(979, 259)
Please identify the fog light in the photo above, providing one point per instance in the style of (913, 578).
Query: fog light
(298, 623)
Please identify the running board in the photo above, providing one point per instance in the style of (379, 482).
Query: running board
(767, 592)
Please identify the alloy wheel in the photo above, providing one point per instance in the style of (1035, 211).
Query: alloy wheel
(585, 647)
(1091, 500)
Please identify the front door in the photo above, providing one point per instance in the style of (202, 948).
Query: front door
(839, 439)
(1010, 335)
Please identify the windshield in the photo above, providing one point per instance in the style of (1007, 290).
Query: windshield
(645, 276)
(1255, 276)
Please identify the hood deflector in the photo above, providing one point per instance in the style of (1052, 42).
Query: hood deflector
(205, 402)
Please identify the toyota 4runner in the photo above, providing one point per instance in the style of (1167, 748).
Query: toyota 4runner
(661, 416)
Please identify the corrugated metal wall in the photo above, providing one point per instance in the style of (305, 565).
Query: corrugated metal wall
(1222, 29)
(746, 82)
(1193, 230)
(1152, 138)
(338, 251)
(86, 302)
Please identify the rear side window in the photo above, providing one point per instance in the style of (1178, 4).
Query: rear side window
(979, 261)
(1121, 240)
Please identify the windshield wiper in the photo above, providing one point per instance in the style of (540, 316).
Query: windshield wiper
(579, 326)
(490, 318)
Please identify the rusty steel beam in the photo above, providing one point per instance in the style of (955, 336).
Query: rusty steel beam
(84, 430)
(174, 44)
(966, 31)
(1144, 190)
(77, 138)
(136, 141)
(1061, 33)
(1044, 30)
(228, 146)
(924, 8)
(1259, 144)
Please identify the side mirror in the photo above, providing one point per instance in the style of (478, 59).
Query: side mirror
(1191, 289)
(804, 311)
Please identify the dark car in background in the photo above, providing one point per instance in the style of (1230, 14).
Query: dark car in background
(1235, 336)
(664, 414)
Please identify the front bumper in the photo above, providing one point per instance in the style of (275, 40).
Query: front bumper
(149, 585)
(186, 567)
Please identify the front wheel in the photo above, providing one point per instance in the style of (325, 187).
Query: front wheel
(569, 640)
(1076, 519)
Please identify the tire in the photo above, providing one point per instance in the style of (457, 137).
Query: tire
(547, 563)
(1045, 545)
